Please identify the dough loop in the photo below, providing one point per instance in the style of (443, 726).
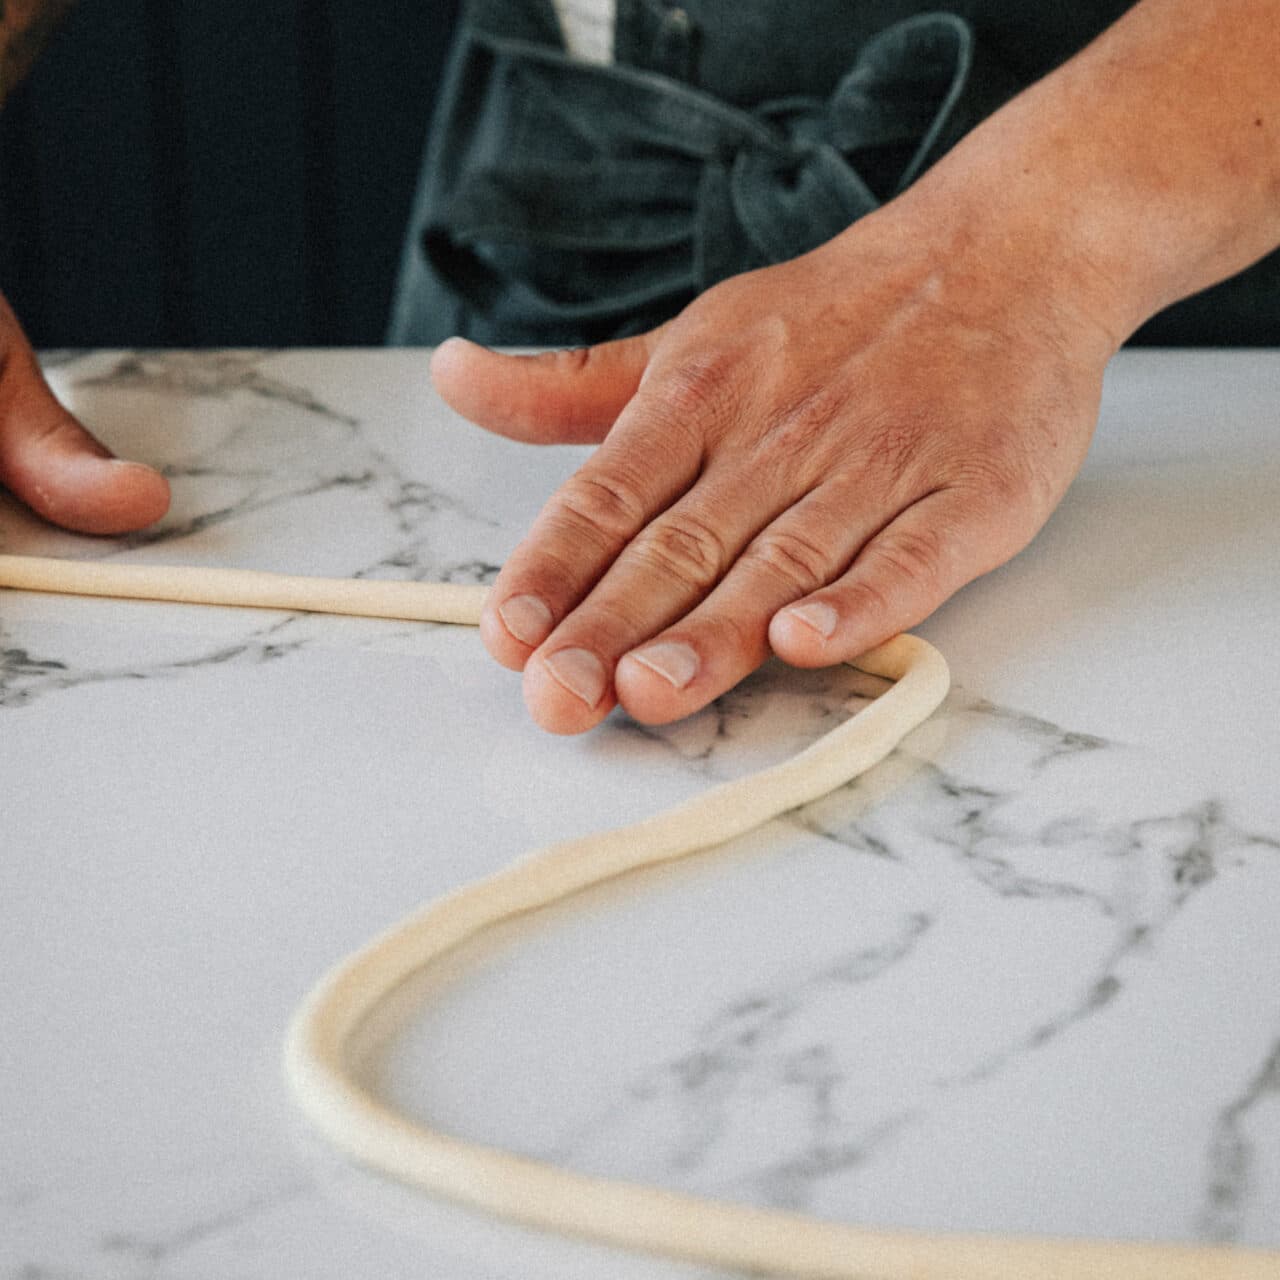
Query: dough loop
(631, 1215)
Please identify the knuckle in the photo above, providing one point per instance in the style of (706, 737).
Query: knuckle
(686, 547)
(59, 431)
(870, 598)
(793, 558)
(702, 389)
(901, 444)
(994, 477)
(914, 558)
(794, 433)
(743, 635)
(606, 506)
(554, 572)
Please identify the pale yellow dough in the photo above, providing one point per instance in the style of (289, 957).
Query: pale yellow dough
(542, 1195)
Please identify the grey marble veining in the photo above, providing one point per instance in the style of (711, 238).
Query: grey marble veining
(250, 471)
(210, 373)
(1021, 977)
(1029, 841)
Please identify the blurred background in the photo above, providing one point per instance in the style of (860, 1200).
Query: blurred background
(182, 173)
(190, 173)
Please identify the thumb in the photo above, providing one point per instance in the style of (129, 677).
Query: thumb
(553, 397)
(50, 462)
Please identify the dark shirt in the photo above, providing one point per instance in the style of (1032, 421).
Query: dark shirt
(564, 202)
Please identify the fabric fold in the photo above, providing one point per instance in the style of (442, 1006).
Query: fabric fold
(599, 200)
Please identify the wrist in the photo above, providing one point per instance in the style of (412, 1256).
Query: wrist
(1141, 171)
(961, 240)
(994, 210)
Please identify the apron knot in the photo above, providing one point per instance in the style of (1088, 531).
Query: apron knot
(601, 199)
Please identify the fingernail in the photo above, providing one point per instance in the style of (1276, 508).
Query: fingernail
(579, 671)
(821, 617)
(454, 343)
(675, 663)
(527, 618)
(450, 350)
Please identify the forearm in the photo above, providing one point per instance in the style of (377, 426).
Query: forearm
(1141, 171)
(25, 25)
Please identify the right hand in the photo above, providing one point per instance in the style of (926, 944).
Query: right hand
(806, 461)
(50, 462)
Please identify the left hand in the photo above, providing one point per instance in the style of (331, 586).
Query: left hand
(808, 460)
(50, 462)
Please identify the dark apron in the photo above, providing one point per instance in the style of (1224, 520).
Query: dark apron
(563, 202)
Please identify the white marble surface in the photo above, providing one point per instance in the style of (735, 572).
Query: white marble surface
(1024, 977)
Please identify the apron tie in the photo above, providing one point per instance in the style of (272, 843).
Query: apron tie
(604, 198)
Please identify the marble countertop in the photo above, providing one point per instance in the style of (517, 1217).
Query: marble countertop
(1023, 977)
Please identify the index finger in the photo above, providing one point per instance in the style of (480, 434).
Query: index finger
(653, 455)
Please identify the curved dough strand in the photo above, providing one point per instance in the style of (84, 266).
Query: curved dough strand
(645, 1218)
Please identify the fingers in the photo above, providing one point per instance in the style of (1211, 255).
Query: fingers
(663, 597)
(666, 569)
(712, 570)
(817, 586)
(801, 464)
(641, 470)
(899, 578)
(50, 462)
(554, 397)
(727, 636)
(653, 576)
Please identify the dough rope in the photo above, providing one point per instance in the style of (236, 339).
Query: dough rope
(634, 1216)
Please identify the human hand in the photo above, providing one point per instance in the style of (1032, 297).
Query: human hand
(50, 462)
(809, 459)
